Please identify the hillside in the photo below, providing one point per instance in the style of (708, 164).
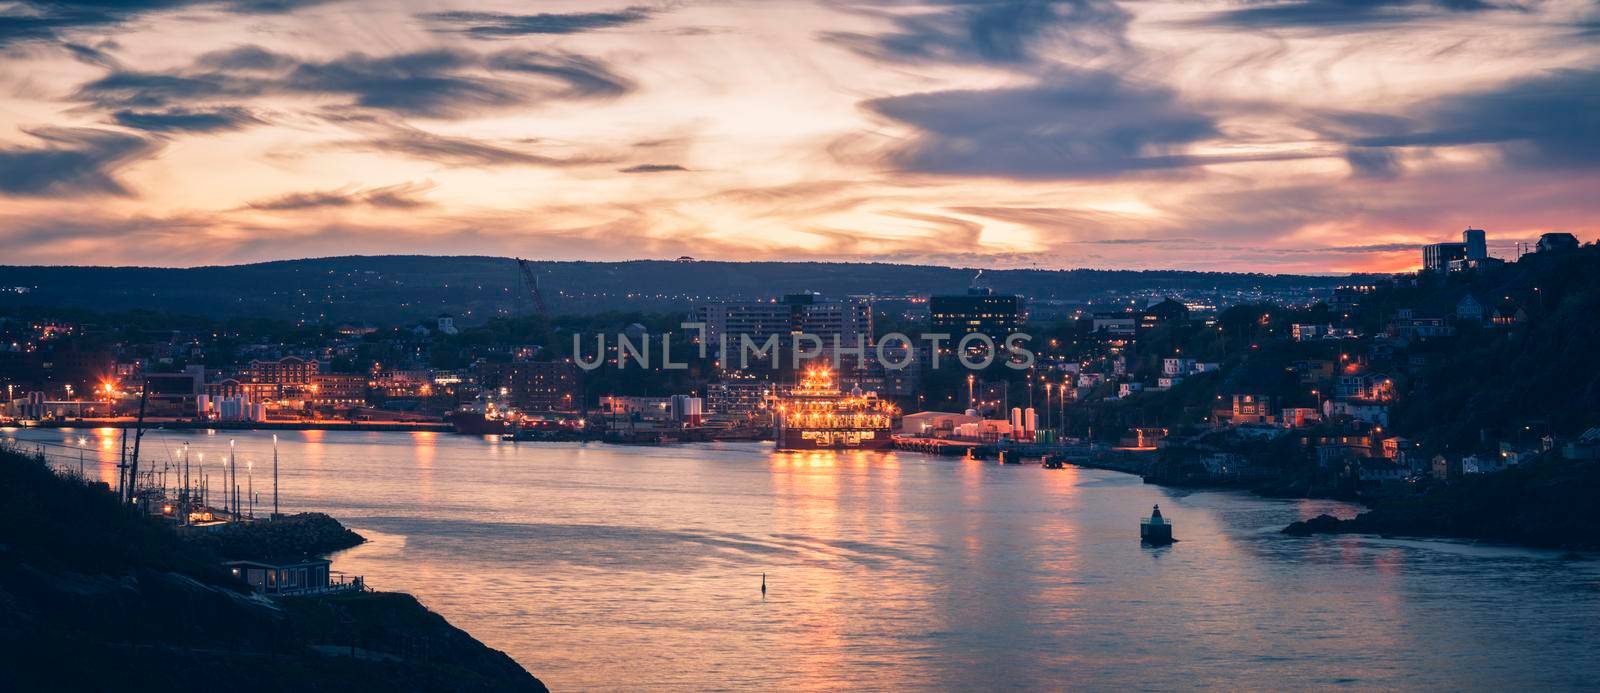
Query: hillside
(386, 288)
(95, 598)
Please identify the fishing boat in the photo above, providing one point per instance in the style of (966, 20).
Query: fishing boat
(817, 415)
(1156, 530)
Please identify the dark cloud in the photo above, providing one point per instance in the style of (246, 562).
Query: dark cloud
(431, 84)
(1330, 15)
(148, 90)
(401, 196)
(52, 20)
(1080, 125)
(995, 31)
(427, 83)
(652, 168)
(1370, 162)
(583, 77)
(74, 161)
(1552, 120)
(244, 58)
(187, 120)
(496, 25)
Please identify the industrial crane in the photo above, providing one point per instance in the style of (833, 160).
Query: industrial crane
(531, 285)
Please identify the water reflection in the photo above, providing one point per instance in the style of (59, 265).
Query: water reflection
(604, 567)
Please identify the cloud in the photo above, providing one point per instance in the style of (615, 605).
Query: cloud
(1004, 32)
(74, 161)
(426, 83)
(394, 138)
(400, 196)
(1075, 125)
(52, 20)
(1373, 162)
(497, 25)
(583, 77)
(187, 120)
(1333, 15)
(652, 168)
(134, 90)
(1548, 121)
(244, 58)
(439, 83)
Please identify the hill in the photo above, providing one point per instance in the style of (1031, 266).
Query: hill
(474, 288)
(93, 597)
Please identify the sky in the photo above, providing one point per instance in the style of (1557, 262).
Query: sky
(1322, 136)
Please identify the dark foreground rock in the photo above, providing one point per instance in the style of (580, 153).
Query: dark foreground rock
(1545, 505)
(93, 597)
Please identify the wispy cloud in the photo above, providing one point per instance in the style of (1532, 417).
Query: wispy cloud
(498, 25)
(399, 196)
(71, 162)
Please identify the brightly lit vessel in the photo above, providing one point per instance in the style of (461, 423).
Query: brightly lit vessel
(816, 415)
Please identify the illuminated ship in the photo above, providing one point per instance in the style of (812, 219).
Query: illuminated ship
(816, 415)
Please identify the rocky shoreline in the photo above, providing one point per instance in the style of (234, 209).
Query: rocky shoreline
(1542, 505)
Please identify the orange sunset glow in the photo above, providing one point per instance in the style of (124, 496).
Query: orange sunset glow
(1296, 136)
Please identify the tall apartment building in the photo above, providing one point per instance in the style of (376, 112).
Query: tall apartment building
(809, 313)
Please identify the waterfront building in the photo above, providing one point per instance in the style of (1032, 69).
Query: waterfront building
(739, 399)
(337, 391)
(290, 373)
(532, 386)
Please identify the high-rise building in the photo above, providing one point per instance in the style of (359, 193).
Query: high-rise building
(1476, 242)
(980, 311)
(808, 313)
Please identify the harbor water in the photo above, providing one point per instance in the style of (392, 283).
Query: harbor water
(615, 568)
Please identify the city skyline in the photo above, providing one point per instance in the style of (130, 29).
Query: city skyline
(1306, 136)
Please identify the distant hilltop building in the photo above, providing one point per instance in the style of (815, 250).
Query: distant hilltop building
(1552, 242)
(1471, 252)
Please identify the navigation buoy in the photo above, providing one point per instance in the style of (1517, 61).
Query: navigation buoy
(763, 585)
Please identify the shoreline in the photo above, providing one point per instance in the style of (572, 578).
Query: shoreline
(189, 425)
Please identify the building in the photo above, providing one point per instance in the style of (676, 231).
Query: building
(1473, 249)
(1114, 324)
(747, 399)
(337, 391)
(1252, 408)
(174, 394)
(935, 424)
(979, 311)
(1167, 312)
(535, 385)
(808, 313)
(290, 372)
(1560, 240)
(304, 576)
(1469, 309)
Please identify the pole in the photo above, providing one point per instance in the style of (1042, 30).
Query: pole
(138, 435)
(233, 470)
(122, 467)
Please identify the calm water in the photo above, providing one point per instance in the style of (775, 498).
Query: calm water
(603, 567)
